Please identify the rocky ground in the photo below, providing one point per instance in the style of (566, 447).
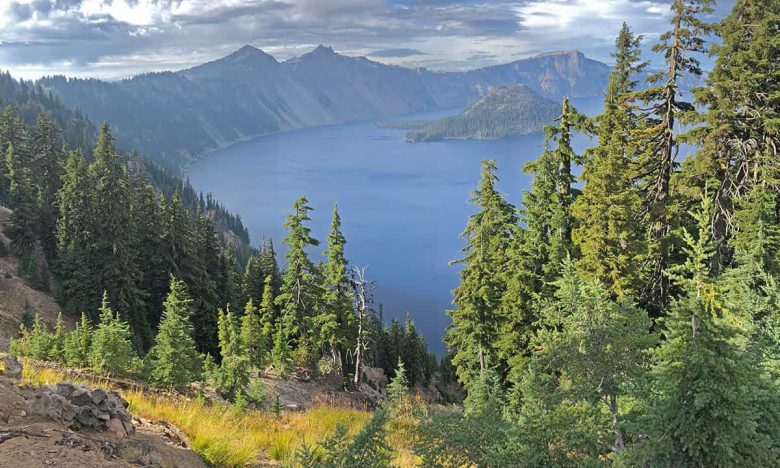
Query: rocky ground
(30, 437)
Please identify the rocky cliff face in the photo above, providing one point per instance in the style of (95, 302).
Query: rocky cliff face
(174, 116)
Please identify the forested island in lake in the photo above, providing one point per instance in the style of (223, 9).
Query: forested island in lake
(505, 111)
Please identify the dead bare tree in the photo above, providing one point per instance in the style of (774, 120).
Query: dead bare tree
(362, 300)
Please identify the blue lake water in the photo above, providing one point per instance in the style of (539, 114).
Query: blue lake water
(402, 205)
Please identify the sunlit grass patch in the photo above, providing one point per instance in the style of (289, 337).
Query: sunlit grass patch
(217, 432)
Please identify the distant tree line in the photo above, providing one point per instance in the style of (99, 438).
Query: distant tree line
(144, 267)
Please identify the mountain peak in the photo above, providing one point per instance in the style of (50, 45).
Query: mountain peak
(323, 50)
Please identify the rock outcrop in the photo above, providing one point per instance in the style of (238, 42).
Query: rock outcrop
(78, 406)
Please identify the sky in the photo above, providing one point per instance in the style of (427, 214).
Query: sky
(113, 39)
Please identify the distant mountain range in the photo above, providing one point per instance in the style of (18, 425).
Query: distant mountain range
(503, 112)
(174, 117)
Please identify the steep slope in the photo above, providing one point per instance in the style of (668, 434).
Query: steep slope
(504, 111)
(176, 116)
(15, 293)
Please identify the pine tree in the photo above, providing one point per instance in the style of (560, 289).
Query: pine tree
(300, 290)
(74, 237)
(111, 351)
(78, 343)
(705, 381)
(476, 322)
(113, 258)
(266, 312)
(398, 388)
(48, 162)
(657, 139)
(232, 376)
(174, 361)
(252, 339)
(595, 349)
(183, 246)
(608, 235)
(23, 198)
(738, 132)
(335, 318)
(148, 213)
(547, 206)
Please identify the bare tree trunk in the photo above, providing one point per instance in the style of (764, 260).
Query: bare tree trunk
(620, 444)
(361, 297)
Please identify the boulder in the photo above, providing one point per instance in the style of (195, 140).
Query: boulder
(12, 369)
(78, 406)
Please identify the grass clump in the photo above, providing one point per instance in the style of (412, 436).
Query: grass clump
(220, 434)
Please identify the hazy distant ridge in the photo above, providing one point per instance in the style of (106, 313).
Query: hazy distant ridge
(175, 116)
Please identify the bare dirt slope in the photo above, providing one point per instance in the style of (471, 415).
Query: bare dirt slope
(14, 292)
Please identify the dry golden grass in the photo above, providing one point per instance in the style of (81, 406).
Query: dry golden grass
(225, 437)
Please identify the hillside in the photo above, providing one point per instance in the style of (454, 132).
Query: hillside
(505, 111)
(176, 116)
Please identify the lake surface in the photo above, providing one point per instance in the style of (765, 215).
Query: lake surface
(402, 205)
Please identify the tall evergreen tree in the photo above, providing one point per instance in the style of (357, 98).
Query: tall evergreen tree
(300, 290)
(657, 137)
(476, 321)
(335, 318)
(74, 236)
(609, 235)
(113, 259)
(48, 164)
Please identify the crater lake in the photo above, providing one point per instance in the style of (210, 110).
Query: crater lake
(403, 205)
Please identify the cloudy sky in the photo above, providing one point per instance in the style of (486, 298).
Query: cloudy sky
(116, 38)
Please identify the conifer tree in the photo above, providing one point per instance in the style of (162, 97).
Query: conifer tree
(184, 242)
(737, 138)
(476, 321)
(74, 237)
(657, 137)
(547, 206)
(232, 376)
(111, 351)
(113, 258)
(609, 235)
(704, 379)
(300, 289)
(595, 348)
(399, 385)
(252, 339)
(266, 312)
(335, 318)
(148, 215)
(174, 361)
(48, 162)
(23, 198)
(78, 343)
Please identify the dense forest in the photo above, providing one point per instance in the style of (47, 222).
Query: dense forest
(632, 319)
(505, 111)
(170, 300)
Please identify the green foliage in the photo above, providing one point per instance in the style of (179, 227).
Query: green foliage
(231, 377)
(174, 362)
(367, 448)
(253, 341)
(608, 233)
(300, 291)
(334, 321)
(78, 343)
(398, 390)
(112, 350)
(476, 322)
